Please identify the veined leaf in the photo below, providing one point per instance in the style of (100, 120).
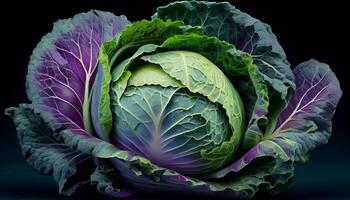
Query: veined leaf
(307, 119)
(201, 76)
(250, 35)
(63, 66)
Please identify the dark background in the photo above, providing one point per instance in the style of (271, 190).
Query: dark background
(315, 30)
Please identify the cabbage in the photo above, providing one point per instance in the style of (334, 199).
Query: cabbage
(200, 100)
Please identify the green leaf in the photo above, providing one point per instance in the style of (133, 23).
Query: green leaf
(71, 169)
(125, 64)
(225, 56)
(248, 34)
(257, 105)
(119, 87)
(147, 32)
(138, 36)
(170, 126)
(101, 114)
(106, 179)
(150, 74)
(244, 75)
(200, 75)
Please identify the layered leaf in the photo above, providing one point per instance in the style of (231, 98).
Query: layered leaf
(46, 152)
(200, 75)
(70, 168)
(224, 55)
(145, 75)
(116, 55)
(253, 170)
(307, 119)
(106, 179)
(244, 75)
(63, 66)
(137, 171)
(302, 126)
(256, 106)
(147, 32)
(230, 60)
(250, 35)
(101, 114)
(169, 126)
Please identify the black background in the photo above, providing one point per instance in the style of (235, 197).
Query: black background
(313, 30)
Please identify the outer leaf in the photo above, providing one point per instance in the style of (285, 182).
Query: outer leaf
(70, 168)
(245, 32)
(307, 119)
(106, 178)
(145, 176)
(263, 173)
(279, 149)
(63, 67)
(200, 75)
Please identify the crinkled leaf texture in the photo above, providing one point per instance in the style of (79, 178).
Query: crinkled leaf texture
(52, 131)
(69, 168)
(182, 37)
(250, 35)
(61, 152)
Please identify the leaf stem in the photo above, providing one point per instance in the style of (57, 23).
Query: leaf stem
(86, 107)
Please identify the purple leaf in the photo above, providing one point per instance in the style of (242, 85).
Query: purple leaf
(63, 66)
(315, 99)
(307, 118)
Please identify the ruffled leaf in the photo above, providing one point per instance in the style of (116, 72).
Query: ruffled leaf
(250, 35)
(115, 56)
(106, 179)
(70, 168)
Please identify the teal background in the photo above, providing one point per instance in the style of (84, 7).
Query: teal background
(316, 30)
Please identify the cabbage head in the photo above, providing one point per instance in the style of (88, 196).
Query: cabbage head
(199, 100)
